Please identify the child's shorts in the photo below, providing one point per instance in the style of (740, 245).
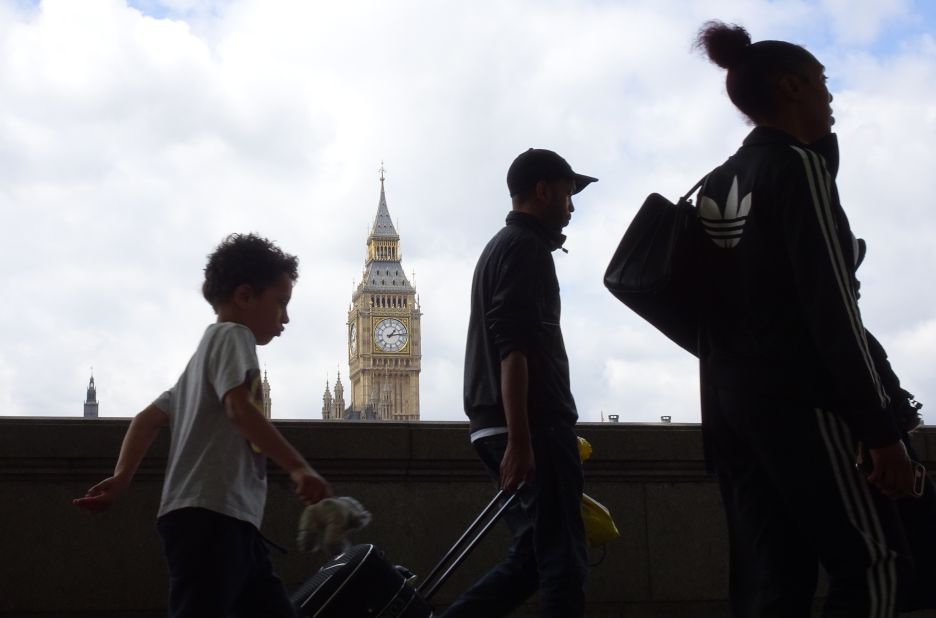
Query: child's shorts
(219, 566)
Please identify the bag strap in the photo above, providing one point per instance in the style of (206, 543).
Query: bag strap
(694, 188)
(700, 340)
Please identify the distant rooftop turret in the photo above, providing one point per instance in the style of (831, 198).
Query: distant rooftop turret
(267, 401)
(91, 403)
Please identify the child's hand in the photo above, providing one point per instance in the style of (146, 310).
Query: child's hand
(100, 497)
(310, 486)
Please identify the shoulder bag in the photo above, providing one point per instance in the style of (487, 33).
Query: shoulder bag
(655, 270)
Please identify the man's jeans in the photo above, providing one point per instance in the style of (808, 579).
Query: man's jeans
(548, 552)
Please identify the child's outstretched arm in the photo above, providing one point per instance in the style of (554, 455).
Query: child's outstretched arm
(310, 486)
(142, 431)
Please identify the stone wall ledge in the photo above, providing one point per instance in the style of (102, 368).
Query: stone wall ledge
(422, 482)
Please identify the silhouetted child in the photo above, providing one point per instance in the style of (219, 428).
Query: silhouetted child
(215, 487)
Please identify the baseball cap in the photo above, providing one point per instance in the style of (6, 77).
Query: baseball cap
(539, 164)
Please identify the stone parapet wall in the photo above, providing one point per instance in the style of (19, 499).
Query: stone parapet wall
(421, 481)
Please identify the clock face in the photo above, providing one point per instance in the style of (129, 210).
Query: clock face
(352, 338)
(390, 335)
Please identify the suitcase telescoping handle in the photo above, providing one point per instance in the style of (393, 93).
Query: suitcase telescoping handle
(485, 521)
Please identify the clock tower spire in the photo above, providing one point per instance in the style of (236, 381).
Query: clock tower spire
(384, 346)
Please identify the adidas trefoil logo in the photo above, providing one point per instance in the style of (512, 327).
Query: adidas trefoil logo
(725, 229)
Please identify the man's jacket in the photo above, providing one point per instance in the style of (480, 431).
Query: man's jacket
(515, 306)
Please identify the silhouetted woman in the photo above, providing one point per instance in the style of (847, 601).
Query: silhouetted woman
(789, 383)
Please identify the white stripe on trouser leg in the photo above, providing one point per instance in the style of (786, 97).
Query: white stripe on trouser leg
(859, 507)
(841, 455)
(856, 515)
(867, 524)
(842, 435)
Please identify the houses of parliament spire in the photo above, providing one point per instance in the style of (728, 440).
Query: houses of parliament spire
(333, 407)
(91, 402)
(267, 402)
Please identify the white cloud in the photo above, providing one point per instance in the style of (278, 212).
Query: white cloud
(133, 139)
(861, 21)
(643, 390)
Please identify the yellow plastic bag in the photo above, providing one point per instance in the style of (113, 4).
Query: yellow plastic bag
(584, 448)
(599, 526)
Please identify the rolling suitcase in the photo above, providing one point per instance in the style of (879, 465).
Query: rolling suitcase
(362, 583)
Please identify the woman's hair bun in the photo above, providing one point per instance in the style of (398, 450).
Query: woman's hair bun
(724, 44)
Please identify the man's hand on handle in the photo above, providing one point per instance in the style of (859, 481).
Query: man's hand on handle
(518, 465)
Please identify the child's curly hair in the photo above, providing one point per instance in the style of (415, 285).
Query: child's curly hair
(245, 258)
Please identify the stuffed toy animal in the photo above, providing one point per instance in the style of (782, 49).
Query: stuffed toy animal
(325, 525)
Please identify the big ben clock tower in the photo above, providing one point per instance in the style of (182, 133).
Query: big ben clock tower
(384, 347)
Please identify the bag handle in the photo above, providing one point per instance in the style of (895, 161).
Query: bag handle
(475, 532)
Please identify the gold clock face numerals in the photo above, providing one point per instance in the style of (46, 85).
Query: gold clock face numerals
(352, 339)
(390, 335)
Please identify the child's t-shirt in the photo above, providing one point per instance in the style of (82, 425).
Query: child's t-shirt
(211, 464)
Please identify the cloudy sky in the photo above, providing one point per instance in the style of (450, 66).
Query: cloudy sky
(135, 136)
